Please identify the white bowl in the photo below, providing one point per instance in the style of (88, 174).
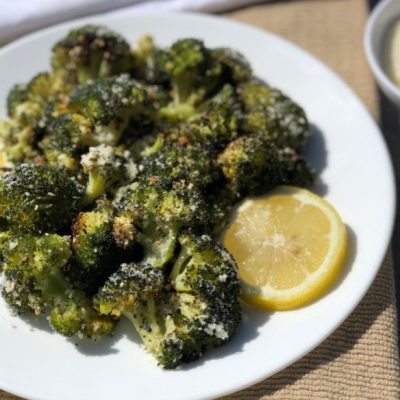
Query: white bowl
(379, 22)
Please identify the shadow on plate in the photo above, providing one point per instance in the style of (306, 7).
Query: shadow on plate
(317, 155)
(253, 320)
(37, 322)
(106, 345)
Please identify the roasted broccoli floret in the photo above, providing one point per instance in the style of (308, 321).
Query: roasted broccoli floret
(34, 283)
(37, 199)
(237, 67)
(215, 123)
(207, 271)
(64, 140)
(151, 216)
(109, 104)
(32, 270)
(295, 170)
(17, 144)
(185, 63)
(94, 249)
(271, 114)
(192, 74)
(179, 167)
(28, 103)
(105, 170)
(182, 314)
(144, 55)
(75, 315)
(253, 166)
(92, 52)
(221, 117)
(5, 236)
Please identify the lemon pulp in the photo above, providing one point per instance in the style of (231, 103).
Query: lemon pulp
(290, 247)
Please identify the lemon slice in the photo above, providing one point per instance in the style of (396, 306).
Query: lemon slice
(290, 247)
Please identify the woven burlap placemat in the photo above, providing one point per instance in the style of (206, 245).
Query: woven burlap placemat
(360, 360)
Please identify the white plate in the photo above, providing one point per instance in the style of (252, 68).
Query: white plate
(358, 178)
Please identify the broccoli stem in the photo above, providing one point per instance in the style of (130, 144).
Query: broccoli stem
(178, 268)
(145, 321)
(177, 112)
(53, 285)
(96, 186)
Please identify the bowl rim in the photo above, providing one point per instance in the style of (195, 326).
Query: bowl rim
(372, 58)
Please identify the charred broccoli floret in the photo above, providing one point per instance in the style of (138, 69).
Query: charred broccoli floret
(5, 236)
(37, 199)
(295, 170)
(215, 123)
(271, 114)
(185, 63)
(76, 315)
(28, 103)
(182, 314)
(207, 271)
(152, 217)
(94, 249)
(35, 284)
(17, 144)
(253, 166)
(109, 104)
(192, 74)
(221, 117)
(144, 61)
(237, 67)
(105, 170)
(179, 167)
(92, 52)
(32, 270)
(64, 139)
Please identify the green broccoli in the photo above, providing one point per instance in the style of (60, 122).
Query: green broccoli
(29, 103)
(253, 166)
(295, 170)
(179, 167)
(144, 55)
(37, 199)
(109, 104)
(64, 140)
(94, 249)
(105, 170)
(192, 74)
(271, 114)
(151, 216)
(5, 236)
(17, 144)
(92, 52)
(185, 63)
(212, 125)
(237, 67)
(34, 283)
(182, 314)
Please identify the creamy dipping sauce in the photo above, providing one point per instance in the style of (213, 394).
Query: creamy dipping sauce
(391, 55)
